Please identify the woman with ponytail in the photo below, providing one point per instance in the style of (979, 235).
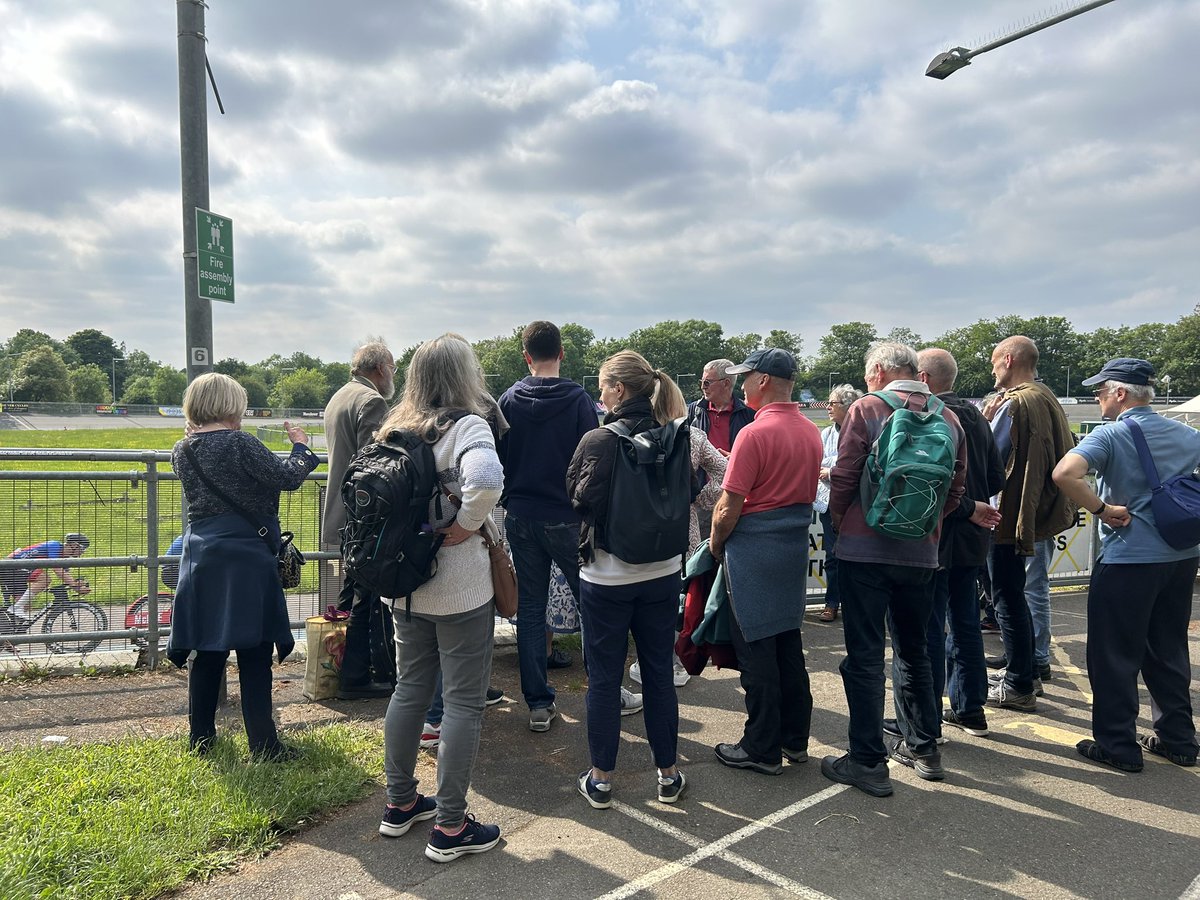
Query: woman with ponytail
(618, 597)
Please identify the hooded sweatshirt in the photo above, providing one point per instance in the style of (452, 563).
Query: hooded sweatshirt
(547, 417)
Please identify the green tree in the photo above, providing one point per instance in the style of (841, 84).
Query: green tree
(904, 335)
(234, 368)
(94, 347)
(168, 385)
(302, 389)
(257, 391)
(336, 374)
(27, 339)
(137, 362)
(680, 348)
(42, 375)
(577, 341)
(139, 389)
(89, 384)
(842, 355)
(502, 361)
(1181, 356)
(739, 346)
(971, 347)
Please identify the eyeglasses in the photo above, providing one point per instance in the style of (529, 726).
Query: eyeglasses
(1099, 391)
(709, 382)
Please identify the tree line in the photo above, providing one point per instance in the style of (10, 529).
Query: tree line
(89, 366)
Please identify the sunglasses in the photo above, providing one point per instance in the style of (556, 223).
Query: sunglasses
(708, 382)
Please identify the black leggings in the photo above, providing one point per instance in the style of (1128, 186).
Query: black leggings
(254, 673)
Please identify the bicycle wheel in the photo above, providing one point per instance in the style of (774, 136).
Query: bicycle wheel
(73, 617)
(138, 616)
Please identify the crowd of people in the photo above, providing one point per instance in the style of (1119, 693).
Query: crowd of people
(1015, 479)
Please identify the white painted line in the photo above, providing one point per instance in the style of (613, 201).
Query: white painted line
(1193, 891)
(741, 862)
(719, 846)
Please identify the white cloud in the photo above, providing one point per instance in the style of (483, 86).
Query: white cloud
(469, 165)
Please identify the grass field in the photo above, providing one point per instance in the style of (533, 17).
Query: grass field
(137, 818)
(114, 513)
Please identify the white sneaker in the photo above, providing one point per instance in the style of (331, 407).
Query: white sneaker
(431, 736)
(631, 703)
(681, 674)
(635, 672)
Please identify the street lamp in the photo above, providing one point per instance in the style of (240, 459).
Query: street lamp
(1068, 394)
(115, 359)
(1166, 382)
(829, 386)
(945, 64)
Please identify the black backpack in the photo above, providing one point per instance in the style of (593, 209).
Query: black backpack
(650, 494)
(388, 546)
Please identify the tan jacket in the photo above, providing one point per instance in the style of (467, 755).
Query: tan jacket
(1032, 508)
(352, 417)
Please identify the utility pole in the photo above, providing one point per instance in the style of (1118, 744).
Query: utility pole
(193, 157)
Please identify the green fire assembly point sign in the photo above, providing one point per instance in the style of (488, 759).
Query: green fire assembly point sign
(214, 256)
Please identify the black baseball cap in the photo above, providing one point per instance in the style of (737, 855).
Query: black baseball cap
(1124, 369)
(76, 538)
(770, 361)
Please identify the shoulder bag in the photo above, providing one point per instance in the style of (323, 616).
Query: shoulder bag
(1174, 502)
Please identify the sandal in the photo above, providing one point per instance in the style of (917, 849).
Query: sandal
(1152, 744)
(828, 614)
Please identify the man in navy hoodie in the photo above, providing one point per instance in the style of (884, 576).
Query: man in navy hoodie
(547, 416)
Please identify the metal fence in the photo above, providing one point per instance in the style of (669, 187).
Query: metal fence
(130, 505)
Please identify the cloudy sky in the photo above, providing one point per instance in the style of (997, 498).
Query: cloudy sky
(414, 166)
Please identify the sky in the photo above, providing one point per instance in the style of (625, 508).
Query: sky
(403, 168)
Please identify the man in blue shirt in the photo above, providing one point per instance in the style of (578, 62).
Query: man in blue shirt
(23, 585)
(1140, 595)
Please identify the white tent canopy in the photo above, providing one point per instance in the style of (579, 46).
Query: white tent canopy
(1188, 412)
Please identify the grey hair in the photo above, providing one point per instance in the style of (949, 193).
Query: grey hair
(891, 356)
(721, 367)
(369, 357)
(444, 374)
(844, 394)
(1139, 393)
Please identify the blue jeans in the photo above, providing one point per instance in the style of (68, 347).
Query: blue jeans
(902, 595)
(957, 656)
(1012, 612)
(610, 613)
(829, 535)
(534, 546)
(1037, 598)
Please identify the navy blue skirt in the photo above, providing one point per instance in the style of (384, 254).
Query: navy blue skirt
(229, 596)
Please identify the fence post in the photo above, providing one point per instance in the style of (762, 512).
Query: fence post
(152, 562)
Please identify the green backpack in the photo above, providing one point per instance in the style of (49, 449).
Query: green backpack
(908, 470)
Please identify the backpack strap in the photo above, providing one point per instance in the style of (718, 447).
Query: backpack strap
(933, 403)
(1143, 452)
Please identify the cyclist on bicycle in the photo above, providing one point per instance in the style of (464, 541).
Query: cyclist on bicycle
(169, 571)
(25, 584)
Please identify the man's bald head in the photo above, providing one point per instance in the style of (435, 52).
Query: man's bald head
(1023, 351)
(938, 367)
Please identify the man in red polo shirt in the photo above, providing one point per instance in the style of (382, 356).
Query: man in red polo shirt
(760, 531)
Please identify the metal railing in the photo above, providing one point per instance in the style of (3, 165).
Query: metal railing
(130, 516)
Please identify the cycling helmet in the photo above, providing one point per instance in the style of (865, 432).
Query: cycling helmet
(76, 538)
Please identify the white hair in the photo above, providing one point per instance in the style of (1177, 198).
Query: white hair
(892, 356)
(1140, 393)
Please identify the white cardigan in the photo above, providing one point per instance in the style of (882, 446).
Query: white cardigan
(469, 469)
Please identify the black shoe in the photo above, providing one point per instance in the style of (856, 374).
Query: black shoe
(277, 752)
(891, 729)
(735, 757)
(871, 780)
(975, 725)
(996, 662)
(1152, 744)
(1093, 751)
(559, 659)
(494, 696)
(1043, 671)
(370, 690)
(928, 767)
(397, 821)
(597, 793)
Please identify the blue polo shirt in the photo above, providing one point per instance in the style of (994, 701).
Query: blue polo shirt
(1112, 455)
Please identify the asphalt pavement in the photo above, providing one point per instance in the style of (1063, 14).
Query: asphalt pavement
(1020, 813)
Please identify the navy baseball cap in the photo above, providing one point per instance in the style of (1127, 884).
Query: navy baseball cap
(770, 361)
(1123, 369)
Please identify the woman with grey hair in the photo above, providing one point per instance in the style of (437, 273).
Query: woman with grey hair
(229, 597)
(447, 623)
(840, 399)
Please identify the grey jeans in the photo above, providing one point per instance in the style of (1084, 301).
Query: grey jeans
(461, 645)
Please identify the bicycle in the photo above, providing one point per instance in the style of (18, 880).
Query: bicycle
(62, 616)
(137, 615)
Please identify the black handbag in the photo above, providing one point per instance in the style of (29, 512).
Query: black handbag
(287, 557)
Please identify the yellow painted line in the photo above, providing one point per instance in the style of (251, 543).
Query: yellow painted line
(1046, 732)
